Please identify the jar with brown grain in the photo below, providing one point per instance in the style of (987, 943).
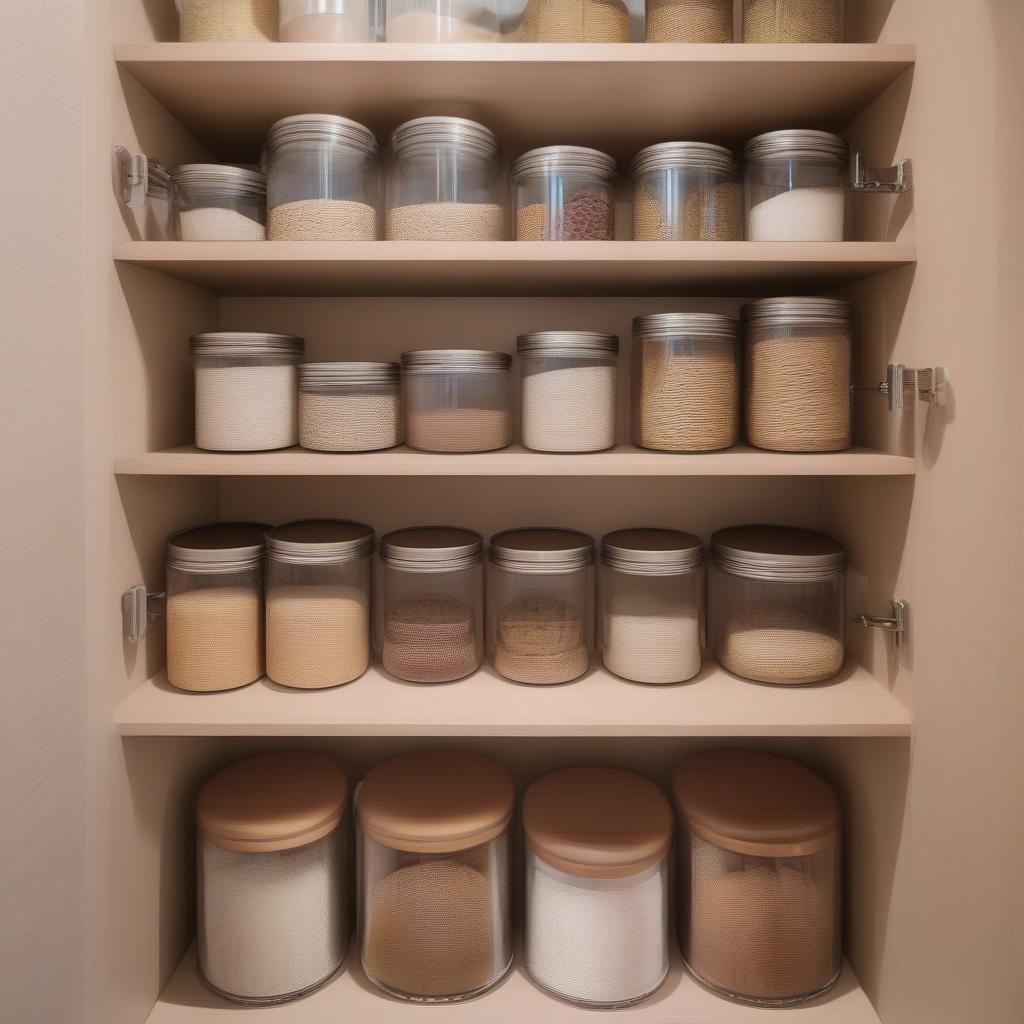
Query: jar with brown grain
(227, 21)
(575, 21)
(793, 21)
(689, 21)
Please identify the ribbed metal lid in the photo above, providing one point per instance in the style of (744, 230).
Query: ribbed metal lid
(455, 359)
(797, 144)
(652, 552)
(584, 344)
(781, 553)
(429, 131)
(326, 375)
(706, 326)
(696, 155)
(217, 547)
(319, 541)
(541, 550)
(243, 344)
(432, 548)
(565, 160)
(220, 177)
(321, 128)
(810, 309)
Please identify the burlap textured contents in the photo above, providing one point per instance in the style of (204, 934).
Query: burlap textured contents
(244, 408)
(430, 640)
(540, 640)
(457, 430)
(689, 21)
(445, 222)
(793, 21)
(349, 422)
(711, 212)
(227, 21)
(575, 21)
(320, 220)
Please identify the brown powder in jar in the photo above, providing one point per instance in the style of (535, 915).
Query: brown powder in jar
(446, 222)
(457, 430)
(575, 21)
(587, 217)
(348, 423)
(710, 214)
(322, 220)
(430, 640)
(793, 21)
(228, 21)
(540, 640)
(689, 21)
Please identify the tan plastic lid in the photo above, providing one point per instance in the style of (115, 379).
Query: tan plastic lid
(597, 822)
(272, 802)
(756, 804)
(435, 803)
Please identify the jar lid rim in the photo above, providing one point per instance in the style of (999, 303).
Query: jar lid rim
(319, 541)
(796, 143)
(227, 176)
(328, 374)
(219, 546)
(578, 342)
(245, 343)
(566, 159)
(431, 130)
(651, 550)
(541, 549)
(707, 326)
(321, 127)
(782, 553)
(797, 308)
(457, 358)
(685, 154)
(431, 548)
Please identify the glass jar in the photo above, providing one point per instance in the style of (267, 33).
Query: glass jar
(575, 21)
(457, 400)
(247, 390)
(760, 884)
(215, 606)
(795, 186)
(445, 183)
(689, 21)
(564, 194)
(793, 21)
(227, 21)
(652, 605)
(272, 879)
(430, 606)
(349, 407)
(323, 181)
(597, 885)
(318, 602)
(219, 203)
(568, 390)
(435, 907)
(159, 219)
(326, 21)
(442, 21)
(796, 382)
(540, 604)
(686, 192)
(776, 600)
(686, 382)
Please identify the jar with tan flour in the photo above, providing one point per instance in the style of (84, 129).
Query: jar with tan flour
(349, 407)
(227, 21)
(689, 21)
(575, 21)
(793, 21)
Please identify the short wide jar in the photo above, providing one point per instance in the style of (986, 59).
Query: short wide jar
(793, 21)
(273, 834)
(327, 21)
(597, 885)
(760, 885)
(349, 407)
(689, 21)
(227, 21)
(442, 21)
(435, 907)
(219, 203)
(575, 21)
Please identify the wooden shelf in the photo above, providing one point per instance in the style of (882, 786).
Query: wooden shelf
(529, 94)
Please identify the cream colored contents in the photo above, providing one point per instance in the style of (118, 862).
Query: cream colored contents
(571, 409)
(575, 21)
(689, 21)
(457, 430)
(540, 640)
(799, 215)
(218, 224)
(446, 222)
(328, 27)
(423, 27)
(430, 640)
(710, 214)
(317, 636)
(214, 637)
(349, 422)
(793, 21)
(322, 220)
(247, 408)
(651, 632)
(228, 21)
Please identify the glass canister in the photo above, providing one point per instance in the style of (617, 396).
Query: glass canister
(686, 192)
(569, 383)
(652, 605)
(776, 601)
(540, 601)
(247, 390)
(796, 382)
(318, 602)
(227, 21)
(760, 884)
(159, 218)
(445, 183)
(793, 21)
(215, 606)
(433, 875)
(457, 400)
(796, 186)
(597, 885)
(575, 21)
(349, 407)
(273, 917)
(219, 203)
(323, 180)
(689, 21)
(442, 21)
(564, 194)
(686, 382)
(326, 21)
(430, 607)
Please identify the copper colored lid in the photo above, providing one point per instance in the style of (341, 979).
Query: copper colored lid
(597, 822)
(272, 802)
(756, 804)
(435, 803)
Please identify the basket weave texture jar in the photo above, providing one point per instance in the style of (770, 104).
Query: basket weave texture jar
(219, 203)
(793, 21)
(689, 21)
(227, 21)
(575, 21)
(349, 407)
(760, 885)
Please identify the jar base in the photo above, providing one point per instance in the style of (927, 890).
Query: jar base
(459, 997)
(590, 1004)
(754, 1000)
(269, 1000)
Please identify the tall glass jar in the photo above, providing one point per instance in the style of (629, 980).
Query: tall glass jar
(429, 620)
(326, 21)
(689, 21)
(793, 21)
(323, 181)
(227, 21)
(442, 21)
(540, 601)
(776, 600)
(434, 892)
(318, 602)
(575, 21)
(219, 203)
(796, 186)
(445, 183)
(349, 407)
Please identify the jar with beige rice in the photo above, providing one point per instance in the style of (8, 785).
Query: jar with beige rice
(689, 21)
(793, 21)
(442, 21)
(349, 407)
(227, 21)
(327, 21)
(575, 21)
(219, 203)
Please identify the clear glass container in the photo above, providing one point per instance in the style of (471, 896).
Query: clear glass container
(227, 21)
(434, 892)
(214, 585)
(793, 21)
(457, 400)
(776, 601)
(160, 218)
(247, 390)
(575, 21)
(760, 883)
(796, 187)
(273, 835)
(569, 385)
(597, 886)
(686, 382)
(327, 21)
(686, 192)
(540, 604)
(689, 21)
(429, 621)
(219, 203)
(323, 180)
(564, 194)
(796, 382)
(318, 602)
(445, 183)
(652, 605)
(349, 407)
(442, 21)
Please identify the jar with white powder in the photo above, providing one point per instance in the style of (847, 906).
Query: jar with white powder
(219, 203)
(318, 602)
(652, 605)
(349, 407)
(796, 186)
(326, 21)
(247, 390)
(442, 21)
(273, 877)
(597, 886)
(569, 383)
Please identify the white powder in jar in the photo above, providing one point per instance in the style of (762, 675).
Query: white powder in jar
(218, 224)
(423, 27)
(246, 408)
(322, 220)
(570, 409)
(799, 215)
(349, 422)
(325, 27)
(446, 222)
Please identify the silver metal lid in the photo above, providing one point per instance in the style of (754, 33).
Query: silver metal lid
(778, 553)
(321, 128)
(440, 359)
(431, 131)
(798, 144)
(542, 550)
(320, 542)
(565, 160)
(245, 344)
(220, 178)
(705, 326)
(579, 344)
(432, 549)
(652, 552)
(327, 375)
(810, 309)
(217, 548)
(704, 156)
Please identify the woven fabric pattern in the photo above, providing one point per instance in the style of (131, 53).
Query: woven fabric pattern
(793, 21)
(430, 640)
(575, 21)
(689, 21)
(568, 406)
(687, 207)
(228, 21)
(247, 408)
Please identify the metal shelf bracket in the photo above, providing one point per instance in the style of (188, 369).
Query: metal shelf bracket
(139, 176)
(138, 606)
(931, 384)
(895, 624)
(878, 179)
